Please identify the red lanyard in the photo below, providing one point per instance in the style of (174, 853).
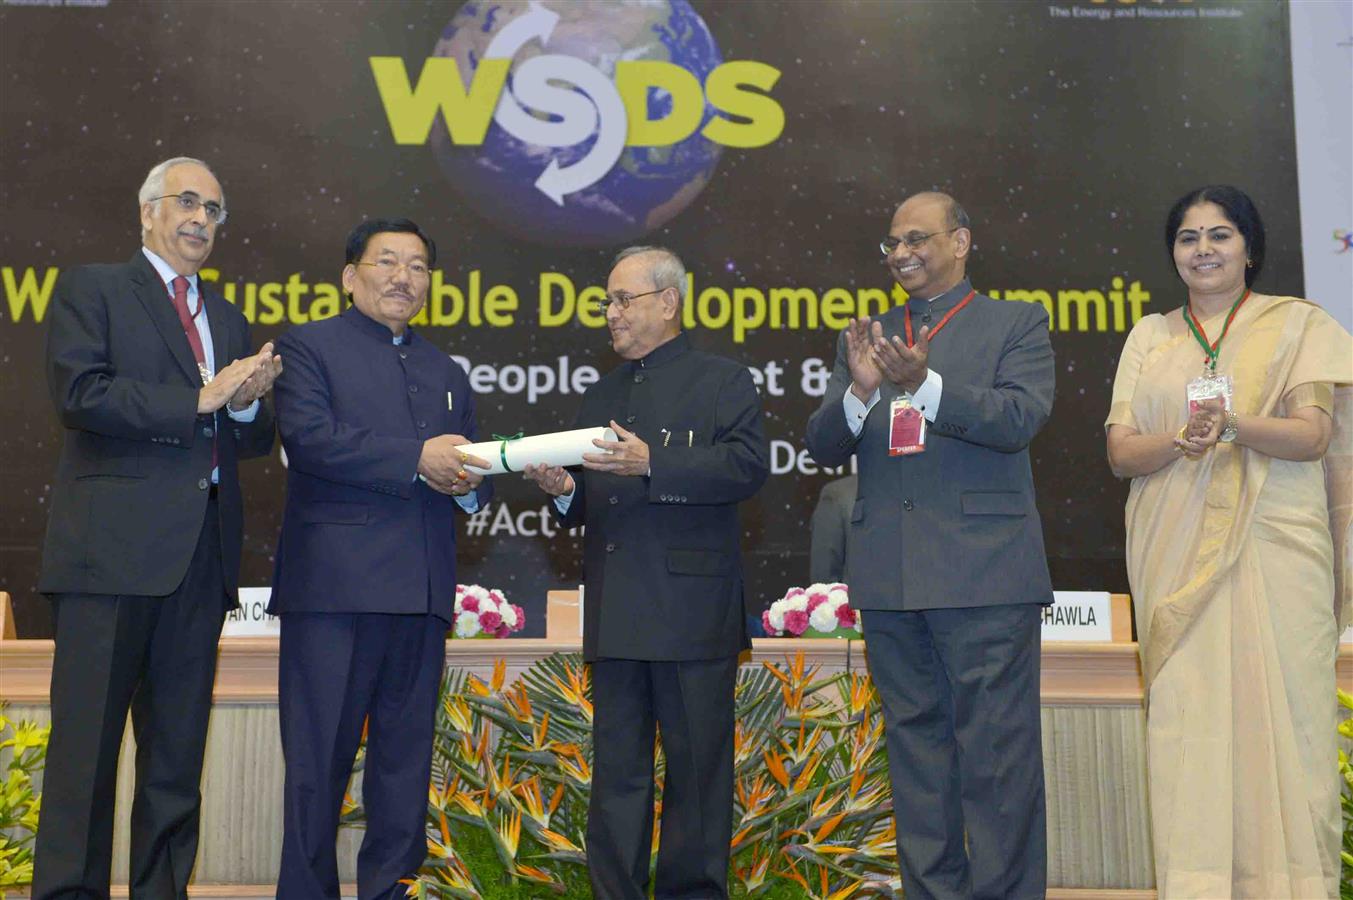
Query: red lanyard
(1213, 350)
(944, 321)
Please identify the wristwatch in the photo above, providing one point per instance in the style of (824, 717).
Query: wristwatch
(1228, 432)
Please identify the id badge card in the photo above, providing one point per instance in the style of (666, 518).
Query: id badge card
(906, 431)
(1209, 386)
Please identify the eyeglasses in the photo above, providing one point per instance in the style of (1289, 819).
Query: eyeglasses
(388, 267)
(623, 300)
(913, 241)
(189, 202)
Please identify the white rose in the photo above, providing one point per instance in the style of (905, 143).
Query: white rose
(467, 625)
(777, 615)
(823, 618)
(509, 615)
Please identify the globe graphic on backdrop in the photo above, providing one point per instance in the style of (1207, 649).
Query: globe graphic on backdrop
(646, 187)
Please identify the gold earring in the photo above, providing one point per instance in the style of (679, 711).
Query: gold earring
(1249, 264)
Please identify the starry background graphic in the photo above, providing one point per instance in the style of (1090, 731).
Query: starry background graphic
(1066, 139)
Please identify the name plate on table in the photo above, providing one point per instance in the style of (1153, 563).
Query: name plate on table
(251, 620)
(1078, 616)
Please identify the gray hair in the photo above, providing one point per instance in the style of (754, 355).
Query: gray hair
(666, 268)
(153, 186)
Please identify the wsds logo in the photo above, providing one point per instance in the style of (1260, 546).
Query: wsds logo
(582, 124)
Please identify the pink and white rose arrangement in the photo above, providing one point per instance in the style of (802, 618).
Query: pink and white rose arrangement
(485, 613)
(819, 610)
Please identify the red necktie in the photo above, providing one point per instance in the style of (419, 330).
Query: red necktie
(180, 285)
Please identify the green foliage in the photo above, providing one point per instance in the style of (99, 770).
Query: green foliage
(23, 746)
(512, 772)
(1346, 801)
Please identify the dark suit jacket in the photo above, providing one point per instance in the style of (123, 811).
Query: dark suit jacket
(828, 548)
(360, 533)
(956, 525)
(662, 562)
(131, 486)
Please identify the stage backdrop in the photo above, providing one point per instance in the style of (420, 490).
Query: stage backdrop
(767, 142)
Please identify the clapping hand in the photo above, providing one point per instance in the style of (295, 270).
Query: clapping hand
(266, 367)
(904, 366)
(1203, 428)
(864, 371)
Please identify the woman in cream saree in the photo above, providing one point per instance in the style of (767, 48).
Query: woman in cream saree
(1232, 567)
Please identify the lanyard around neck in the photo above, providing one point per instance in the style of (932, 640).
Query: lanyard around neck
(944, 321)
(1213, 349)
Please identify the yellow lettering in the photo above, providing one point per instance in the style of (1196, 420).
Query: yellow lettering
(744, 321)
(27, 293)
(590, 312)
(439, 294)
(727, 89)
(875, 296)
(550, 317)
(328, 301)
(792, 301)
(472, 300)
(412, 110)
(709, 297)
(274, 310)
(838, 308)
(1083, 300)
(635, 78)
(1137, 298)
(295, 290)
(499, 305)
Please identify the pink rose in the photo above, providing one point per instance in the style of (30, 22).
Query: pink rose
(845, 616)
(815, 600)
(796, 622)
(490, 621)
(766, 626)
(521, 616)
(469, 603)
(502, 632)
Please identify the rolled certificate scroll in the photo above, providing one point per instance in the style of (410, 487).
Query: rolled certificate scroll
(512, 454)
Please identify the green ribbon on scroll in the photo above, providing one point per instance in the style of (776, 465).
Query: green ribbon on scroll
(502, 448)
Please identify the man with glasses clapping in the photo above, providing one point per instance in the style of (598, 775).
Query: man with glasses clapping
(938, 401)
(158, 388)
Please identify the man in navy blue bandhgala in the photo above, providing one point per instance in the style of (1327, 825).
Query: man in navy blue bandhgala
(371, 415)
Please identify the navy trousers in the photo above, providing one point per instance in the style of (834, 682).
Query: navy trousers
(336, 672)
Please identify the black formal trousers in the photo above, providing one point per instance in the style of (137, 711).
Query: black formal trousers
(336, 671)
(691, 704)
(156, 655)
(960, 695)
